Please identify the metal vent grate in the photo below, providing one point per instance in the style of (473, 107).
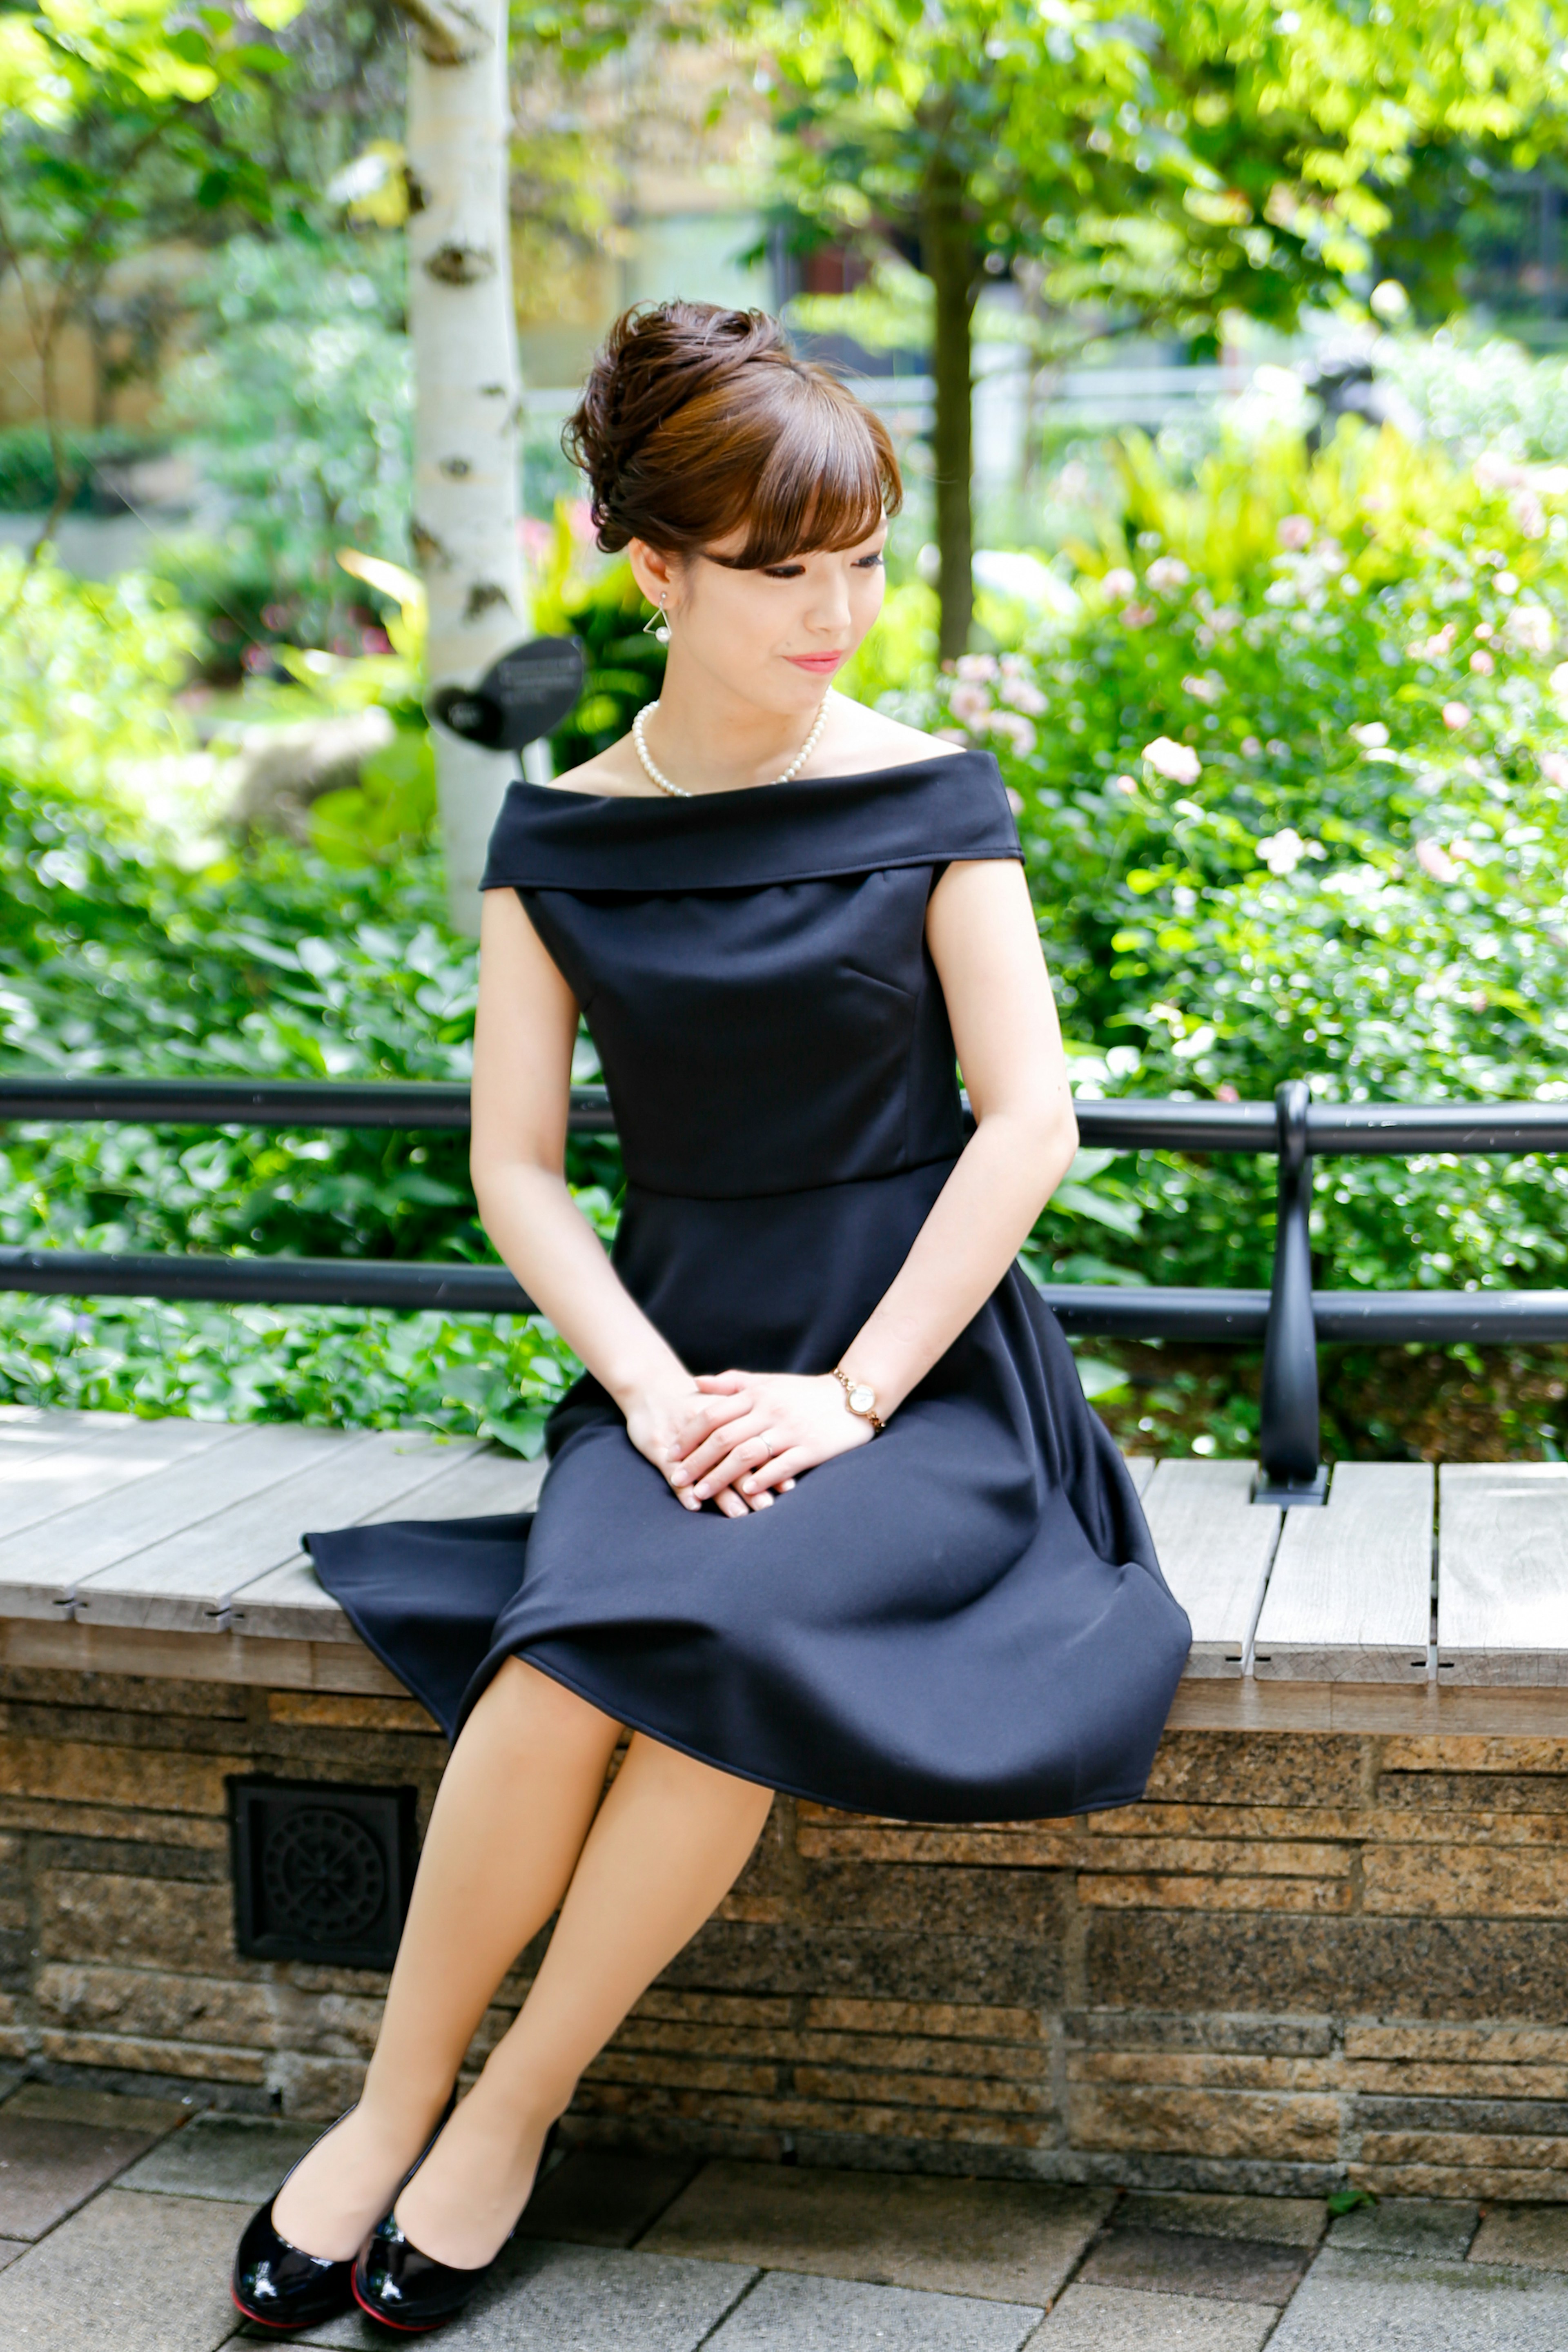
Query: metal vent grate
(322, 1871)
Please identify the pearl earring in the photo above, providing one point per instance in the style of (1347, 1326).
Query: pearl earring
(657, 626)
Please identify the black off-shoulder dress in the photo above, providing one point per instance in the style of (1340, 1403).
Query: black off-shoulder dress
(962, 1620)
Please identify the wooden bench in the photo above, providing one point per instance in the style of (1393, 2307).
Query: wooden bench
(1332, 1942)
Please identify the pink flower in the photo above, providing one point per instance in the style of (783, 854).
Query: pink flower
(1456, 715)
(1252, 746)
(1126, 785)
(1203, 690)
(1014, 729)
(1481, 661)
(973, 665)
(1530, 629)
(951, 735)
(1167, 571)
(1014, 802)
(1529, 514)
(1433, 860)
(1023, 695)
(1296, 532)
(969, 703)
(1118, 582)
(1558, 681)
(1179, 761)
(1226, 1093)
(1138, 617)
(1555, 768)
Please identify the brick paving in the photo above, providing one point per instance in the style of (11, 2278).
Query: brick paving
(118, 2216)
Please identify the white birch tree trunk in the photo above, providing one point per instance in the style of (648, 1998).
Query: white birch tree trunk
(463, 329)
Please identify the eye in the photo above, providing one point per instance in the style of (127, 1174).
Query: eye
(784, 570)
(867, 562)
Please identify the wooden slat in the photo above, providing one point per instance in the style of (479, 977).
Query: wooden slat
(92, 1537)
(184, 1580)
(28, 1432)
(1502, 1572)
(70, 1421)
(1350, 1593)
(71, 1648)
(288, 1604)
(1215, 1545)
(95, 1471)
(1201, 1704)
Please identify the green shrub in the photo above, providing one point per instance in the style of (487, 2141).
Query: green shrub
(299, 396)
(112, 958)
(88, 673)
(1291, 792)
(29, 482)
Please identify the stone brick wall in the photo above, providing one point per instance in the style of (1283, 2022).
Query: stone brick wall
(1306, 1956)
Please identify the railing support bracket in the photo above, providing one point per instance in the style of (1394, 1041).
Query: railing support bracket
(1292, 1473)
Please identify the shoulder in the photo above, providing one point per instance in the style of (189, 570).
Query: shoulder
(858, 741)
(614, 773)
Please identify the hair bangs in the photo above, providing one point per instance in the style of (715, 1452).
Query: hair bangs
(827, 477)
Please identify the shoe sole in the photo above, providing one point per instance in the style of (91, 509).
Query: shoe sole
(278, 2327)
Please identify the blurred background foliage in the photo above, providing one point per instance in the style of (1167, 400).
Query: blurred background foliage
(1289, 754)
(1282, 699)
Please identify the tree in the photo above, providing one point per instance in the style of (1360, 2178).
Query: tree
(467, 394)
(1157, 169)
(111, 134)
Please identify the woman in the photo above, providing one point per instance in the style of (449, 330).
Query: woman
(828, 1512)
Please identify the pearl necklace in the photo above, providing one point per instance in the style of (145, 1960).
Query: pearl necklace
(678, 791)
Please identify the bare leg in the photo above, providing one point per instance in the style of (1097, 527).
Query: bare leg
(513, 1809)
(670, 1839)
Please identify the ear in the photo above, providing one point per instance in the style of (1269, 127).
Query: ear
(653, 572)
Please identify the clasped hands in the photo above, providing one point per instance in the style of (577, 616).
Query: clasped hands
(740, 1439)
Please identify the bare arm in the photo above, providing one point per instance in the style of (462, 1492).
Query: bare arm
(523, 1038)
(981, 930)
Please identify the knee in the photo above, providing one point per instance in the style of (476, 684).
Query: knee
(525, 1708)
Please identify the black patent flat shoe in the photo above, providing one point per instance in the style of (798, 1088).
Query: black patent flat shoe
(396, 2283)
(277, 2285)
(280, 2285)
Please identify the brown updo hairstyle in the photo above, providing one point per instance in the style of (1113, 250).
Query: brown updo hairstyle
(697, 421)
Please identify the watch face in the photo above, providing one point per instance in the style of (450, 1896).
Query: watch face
(861, 1398)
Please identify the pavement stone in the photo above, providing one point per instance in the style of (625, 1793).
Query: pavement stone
(1013, 2240)
(68, 2103)
(787, 2312)
(545, 2298)
(1117, 2319)
(599, 2198)
(128, 2275)
(9, 2250)
(1280, 2221)
(1351, 2302)
(1439, 2228)
(49, 2168)
(1226, 2270)
(1535, 2236)
(236, 2158)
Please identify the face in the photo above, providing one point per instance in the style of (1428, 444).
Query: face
(775, 637)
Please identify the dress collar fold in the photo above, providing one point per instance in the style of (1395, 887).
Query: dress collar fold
(926, 812)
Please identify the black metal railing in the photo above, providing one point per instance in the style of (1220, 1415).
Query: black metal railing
(1289, 1318)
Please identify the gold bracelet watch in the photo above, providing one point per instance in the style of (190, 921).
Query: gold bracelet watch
(861, 1399)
